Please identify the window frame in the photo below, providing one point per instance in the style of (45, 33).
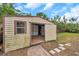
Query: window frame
(15, 27)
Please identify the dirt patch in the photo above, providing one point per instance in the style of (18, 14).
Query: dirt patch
(49, 45)
(74, 47)
(19, 52)
(72, 50)
(1, 53)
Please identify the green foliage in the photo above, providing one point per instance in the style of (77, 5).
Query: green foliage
(42, 15)
(6, 9)
(73, 19)
(57, 18)
(23, 14)
(64, 26)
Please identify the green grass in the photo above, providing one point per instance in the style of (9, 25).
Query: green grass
(67, 37)
(69, 34)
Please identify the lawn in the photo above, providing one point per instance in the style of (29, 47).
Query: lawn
(62, 38)
(67, 37)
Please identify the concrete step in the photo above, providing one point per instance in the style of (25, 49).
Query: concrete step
(52, 52)
(57, 50)
(68, 44)
(62, 48)
(61, 45)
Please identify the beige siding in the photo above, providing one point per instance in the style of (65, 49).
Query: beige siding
(50, 32)
(13, 42)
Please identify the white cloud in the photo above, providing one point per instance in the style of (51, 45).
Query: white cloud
(57, 12)
(54, 13)
(19, 8)
(74, 12)
(28, 6)
(32, 5)
(68, 15)
(36, 5)
(63, 10)
(47, 6)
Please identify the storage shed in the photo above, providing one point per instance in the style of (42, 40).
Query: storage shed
(24, 31)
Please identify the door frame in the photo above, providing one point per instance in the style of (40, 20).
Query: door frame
(31, 31)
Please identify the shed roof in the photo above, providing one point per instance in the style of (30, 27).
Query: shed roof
(32, 16)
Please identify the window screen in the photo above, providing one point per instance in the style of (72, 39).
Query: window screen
(20, 27)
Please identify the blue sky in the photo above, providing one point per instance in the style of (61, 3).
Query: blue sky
(50, 9)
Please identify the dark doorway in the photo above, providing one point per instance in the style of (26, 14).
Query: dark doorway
(39, 30)
(37, 33)
(1, 39)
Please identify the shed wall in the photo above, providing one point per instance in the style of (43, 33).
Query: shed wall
(13, 42)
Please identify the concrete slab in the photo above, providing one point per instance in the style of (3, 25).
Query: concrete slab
(68, 44)
(61, 44)
(52, 52)
(62, 48)
(57, 50)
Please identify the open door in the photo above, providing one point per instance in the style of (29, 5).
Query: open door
(50, 32)
(37, 35)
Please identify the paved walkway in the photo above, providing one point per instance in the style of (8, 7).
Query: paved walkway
(59, 49)
(37, 50)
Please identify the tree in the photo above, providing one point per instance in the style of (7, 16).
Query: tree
(6, 9)
(23, 14)
(42, 15)
(74, 25)
(73, 19)
(65, 20)
(57, 18)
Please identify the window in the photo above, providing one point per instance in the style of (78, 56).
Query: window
(20, 27)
